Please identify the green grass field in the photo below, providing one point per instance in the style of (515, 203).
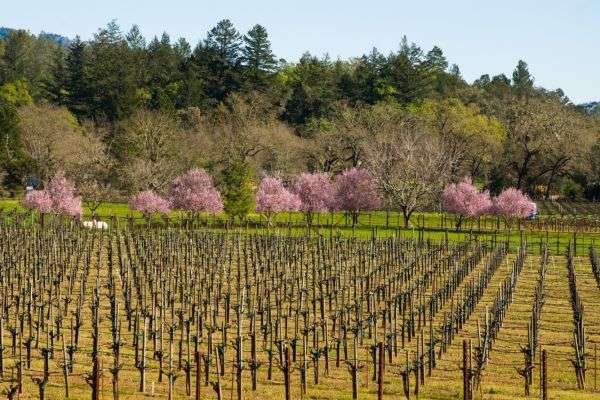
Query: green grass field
(426, 226)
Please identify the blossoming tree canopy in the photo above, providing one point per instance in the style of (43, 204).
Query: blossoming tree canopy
(148, 202)
(465, 200)
(59, 197)
(316, 194)
(194, 192)
(38, 200)
(355, 191)
(62, 193)
(512, 203)
(272, 196)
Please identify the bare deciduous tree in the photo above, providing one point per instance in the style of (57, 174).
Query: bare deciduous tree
(411, 167)
(54, 140)
(154, 144)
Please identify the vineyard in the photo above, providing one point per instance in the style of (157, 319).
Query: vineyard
(186, 313)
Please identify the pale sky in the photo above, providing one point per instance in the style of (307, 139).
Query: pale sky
(558, 39)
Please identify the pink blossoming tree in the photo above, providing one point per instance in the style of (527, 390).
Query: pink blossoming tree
(512, 204)
(148, 203)
(38, 200)
(194, 192)
(58, 197)
(465, 201)
(316, 194)
(273, 197)
(356, 191)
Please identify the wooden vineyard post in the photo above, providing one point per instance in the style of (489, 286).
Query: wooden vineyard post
(466, 372)
(353, 369)
(287, 371)
(142, 363)
(20, 377)
(217, 385)
(1, 346)
(406, 378)
(65, 366)
(197, 358)
(380, 371)
(544, 376)
(541, 376)
(303, 369)
(470, 370)
(93, 379)
(171, 373)
(254, 364)
(239, 340)
(595, 367)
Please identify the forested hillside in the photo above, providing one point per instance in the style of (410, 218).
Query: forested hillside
(62, 40)
(121, 113)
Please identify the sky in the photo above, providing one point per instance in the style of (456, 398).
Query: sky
(558, 39)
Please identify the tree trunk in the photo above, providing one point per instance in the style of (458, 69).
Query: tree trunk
(406, 213)
(459, 221)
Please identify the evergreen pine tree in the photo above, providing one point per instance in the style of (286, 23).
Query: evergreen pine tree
(163, 68)
(112, 77)
(521, 79)
(134, 37)
(238, 190)
(435, 59)
(16, 62)
(76, 79)
(407, 72)
(56, 84)
(225, 41)
(257, 56)
(217, 61)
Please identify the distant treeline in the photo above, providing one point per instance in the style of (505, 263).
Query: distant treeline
(120, 114)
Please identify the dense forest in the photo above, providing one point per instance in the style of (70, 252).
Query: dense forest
(119, 114)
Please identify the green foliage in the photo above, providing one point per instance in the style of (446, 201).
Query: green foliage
(216, 62)
(571, 190)
(313, 89)
(17, 57)
(238, 189)
(436, 60)
(498, 139)
(55, 85)
(15, 93)
(109, 75)
(225, 41)
(77, 79)
(14, 164)
(258, 57)
(522, 79)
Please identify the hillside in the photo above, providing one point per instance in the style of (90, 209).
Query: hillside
(593, 107)
(62, 40)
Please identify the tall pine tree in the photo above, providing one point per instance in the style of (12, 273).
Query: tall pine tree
(258, 58)
(55, 85)
(225, 41)
(77, 80)
(522, 80)
(217, 60)
(111, 73)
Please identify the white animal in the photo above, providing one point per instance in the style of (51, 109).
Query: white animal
(93, 224)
